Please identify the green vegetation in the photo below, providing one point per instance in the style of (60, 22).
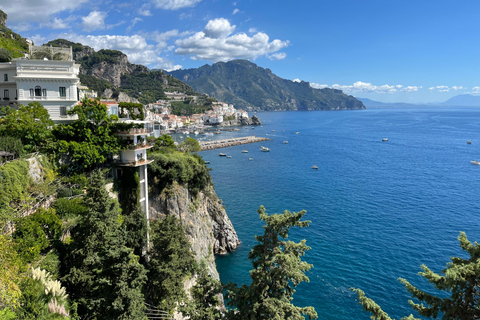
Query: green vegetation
(96, 84)
(189, 145)
(12, 145)
(189, 107)
(86, 142)
(13, 45)
(134, 218)
(171, 262)
(31, 124)
(186, 169)
(100, 272)
(459, 282)
(277, 270)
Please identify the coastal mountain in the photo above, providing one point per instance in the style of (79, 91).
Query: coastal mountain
(463, 100)
(244, 84)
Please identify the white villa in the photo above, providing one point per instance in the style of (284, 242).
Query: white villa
(53, 83)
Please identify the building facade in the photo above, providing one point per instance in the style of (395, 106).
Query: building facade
(52, 83)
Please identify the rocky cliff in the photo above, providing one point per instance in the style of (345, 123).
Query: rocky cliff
(207, 225)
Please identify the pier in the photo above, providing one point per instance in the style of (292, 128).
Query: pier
(217, 144)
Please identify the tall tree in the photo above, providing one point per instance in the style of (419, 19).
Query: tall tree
(277, 269)
(171, 261)
(460, 280)
(101, 273)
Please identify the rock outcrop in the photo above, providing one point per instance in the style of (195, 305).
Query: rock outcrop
(253, 121)
(207, 225)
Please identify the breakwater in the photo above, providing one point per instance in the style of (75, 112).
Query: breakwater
(217, 144)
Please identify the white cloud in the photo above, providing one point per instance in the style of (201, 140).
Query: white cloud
(37, 11)
(475, 90)
(134, 22)
(365, 87)
(135, 47)
(216, 43)
(235, 11)
(411, 88)
(174, 4)
(252, 30)
(297, 80)
(37, 39)
(58, 23)
(446, 88)
(94, 21)
(218, 28)
(277, 56)
(318, 86)
(145, 10)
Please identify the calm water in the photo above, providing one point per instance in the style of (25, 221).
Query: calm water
(378, 209)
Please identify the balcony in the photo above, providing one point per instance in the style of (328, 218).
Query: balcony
(136, 163)
(139, 146)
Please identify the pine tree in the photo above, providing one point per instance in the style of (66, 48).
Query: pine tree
(277, 270)
(171, 261)
(460, 279)
(102, 275)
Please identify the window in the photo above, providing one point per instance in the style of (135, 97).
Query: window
(5, 77)
(63, 111)
(62, 91)
(31, 92)
(38, 91)
(44, 92)
(5, 94)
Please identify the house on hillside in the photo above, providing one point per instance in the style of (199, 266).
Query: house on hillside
(53, 83)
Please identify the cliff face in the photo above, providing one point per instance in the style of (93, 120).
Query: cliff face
(207, 225)
(253, 121)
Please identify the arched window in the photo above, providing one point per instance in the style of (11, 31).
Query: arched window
(38, 91)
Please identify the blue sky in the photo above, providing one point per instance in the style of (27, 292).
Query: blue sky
(385, 50)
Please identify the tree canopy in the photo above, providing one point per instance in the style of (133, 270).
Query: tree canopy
(277, 269)
(89, 140)
(460, 280)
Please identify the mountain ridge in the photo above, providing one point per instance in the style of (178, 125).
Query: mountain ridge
(243, 83)
(461, 100)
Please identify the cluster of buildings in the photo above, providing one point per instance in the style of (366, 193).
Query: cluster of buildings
(160, 113)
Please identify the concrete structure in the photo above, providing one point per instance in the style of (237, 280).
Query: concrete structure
(52, 83)
(135, 156)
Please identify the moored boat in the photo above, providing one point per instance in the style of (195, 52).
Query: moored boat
(469, 142)
(222, 154)
(385, 139)
(264, 149)
(475, 162)
(285, 142)
(244, 151)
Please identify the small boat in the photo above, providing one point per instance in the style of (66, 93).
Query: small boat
(195, 132)
(207, 162)
(264, 149)
(469, 142)
(315, 167)
(385, 139)
(285, 142)
(250, 158)
(297, 132)
(222, 154)
(229, 156)
(253, 127)
(273, 130)
(475, 162)
(244, 151)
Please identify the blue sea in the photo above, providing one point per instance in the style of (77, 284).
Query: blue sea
(378, 210)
